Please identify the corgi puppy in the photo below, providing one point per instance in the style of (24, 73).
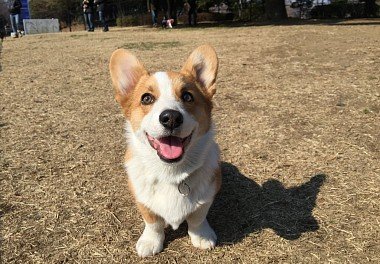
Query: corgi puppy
(172, 159)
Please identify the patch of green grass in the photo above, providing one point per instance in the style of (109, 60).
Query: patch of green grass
(151, 45)
(77, 36)
(106, 39)
(367, 111)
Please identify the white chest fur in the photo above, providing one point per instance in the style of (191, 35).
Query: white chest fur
(165, 200)
(157, 187)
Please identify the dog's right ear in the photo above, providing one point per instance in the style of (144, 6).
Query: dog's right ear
(126, 71)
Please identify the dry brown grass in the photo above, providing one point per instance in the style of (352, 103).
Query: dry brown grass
(298, 118)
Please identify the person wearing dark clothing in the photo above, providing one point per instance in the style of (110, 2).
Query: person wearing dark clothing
(87, 12)
(3, 34)
(100, 8)
(163, 5)
(154, 6)
(192, 12)
(15, 11)
(173, 9)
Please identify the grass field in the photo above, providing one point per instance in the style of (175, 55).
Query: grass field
(298, 117)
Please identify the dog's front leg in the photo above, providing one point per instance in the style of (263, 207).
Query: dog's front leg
(200, 232)
(151, 241)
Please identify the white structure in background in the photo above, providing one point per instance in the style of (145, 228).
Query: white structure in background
(39, 26)
(295, 12)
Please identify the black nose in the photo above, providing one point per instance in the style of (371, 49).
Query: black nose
(171, 119)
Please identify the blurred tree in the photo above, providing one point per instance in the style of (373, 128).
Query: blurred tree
(65, 10)
(4, 10)
(61, 9)
(371, 8)
(275, 9)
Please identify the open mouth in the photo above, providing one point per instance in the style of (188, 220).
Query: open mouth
(169, 149)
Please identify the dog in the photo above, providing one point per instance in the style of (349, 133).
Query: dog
(172, 159)
(167, 23)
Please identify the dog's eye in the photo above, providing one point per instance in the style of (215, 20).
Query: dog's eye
(187, 97)
(147, 99)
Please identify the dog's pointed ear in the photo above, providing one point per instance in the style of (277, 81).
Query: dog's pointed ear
(203, 65)
(126, 71)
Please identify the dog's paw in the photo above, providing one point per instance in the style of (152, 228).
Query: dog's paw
(149, 245)
(203, 237)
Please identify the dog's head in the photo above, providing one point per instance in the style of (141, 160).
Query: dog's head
(167, 111)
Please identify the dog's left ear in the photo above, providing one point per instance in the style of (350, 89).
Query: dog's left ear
(203, 65)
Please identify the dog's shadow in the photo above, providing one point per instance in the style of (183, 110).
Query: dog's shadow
(243, 207)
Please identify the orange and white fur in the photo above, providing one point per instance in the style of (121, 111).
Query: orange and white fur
(172, 159)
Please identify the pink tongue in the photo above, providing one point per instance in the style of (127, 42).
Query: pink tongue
(170, 147)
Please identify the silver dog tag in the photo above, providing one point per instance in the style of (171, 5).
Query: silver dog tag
(184, 188)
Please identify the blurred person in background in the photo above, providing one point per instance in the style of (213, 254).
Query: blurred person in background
(87, 12)
(153, 9)
(3, 33)
(100, 8)
(15, 11)
(192, 12)
(155, 6)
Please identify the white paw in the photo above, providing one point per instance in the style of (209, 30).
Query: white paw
(149, 245)
(203, 237)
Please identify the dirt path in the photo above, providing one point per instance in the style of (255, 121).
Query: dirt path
(298, 118)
